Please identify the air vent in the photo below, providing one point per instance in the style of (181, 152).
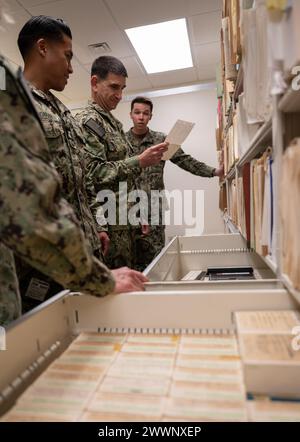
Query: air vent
(99, 48)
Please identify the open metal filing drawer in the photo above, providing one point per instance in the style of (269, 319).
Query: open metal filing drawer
(40, 336)
(186, 253)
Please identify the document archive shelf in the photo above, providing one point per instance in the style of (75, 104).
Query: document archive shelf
(197, 317)
(258, 131)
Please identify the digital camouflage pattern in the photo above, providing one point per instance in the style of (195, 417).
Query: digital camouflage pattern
(10, 302)
(108, 161)
(36, 223)
(66, 144)
(152, 178)
(147, 247)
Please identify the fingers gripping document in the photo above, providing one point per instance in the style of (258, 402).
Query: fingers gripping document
(176, 137)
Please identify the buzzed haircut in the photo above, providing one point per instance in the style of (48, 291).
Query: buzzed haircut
(41, 26)
(142, 100)
(105, 65)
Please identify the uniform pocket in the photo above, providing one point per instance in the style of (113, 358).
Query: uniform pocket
(52, 128)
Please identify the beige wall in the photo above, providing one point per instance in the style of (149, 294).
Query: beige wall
(200, 108)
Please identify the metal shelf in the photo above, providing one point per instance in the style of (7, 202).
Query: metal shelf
(231, 226)
(289, 286)
(290, 102)
(258, 144)
(270, 263)
(231, 174)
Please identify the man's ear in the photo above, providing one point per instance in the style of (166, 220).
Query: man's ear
(42, 46)
(150, 116)
(94, 82)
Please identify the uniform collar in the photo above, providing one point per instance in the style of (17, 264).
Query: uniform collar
(48, 98)
(106, 114)
(149, 136)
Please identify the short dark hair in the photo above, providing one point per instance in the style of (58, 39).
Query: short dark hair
(38, 27)
(142, 100)
(105, 65)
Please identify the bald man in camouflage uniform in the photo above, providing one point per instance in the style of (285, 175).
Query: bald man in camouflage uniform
(140, 138)
(109, 156)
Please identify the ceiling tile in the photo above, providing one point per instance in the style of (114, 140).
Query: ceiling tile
(137, 84)
(131, 13)
(207, 72)
(29, 3)
(171, 78)
(133, 66)
(205, 28)
(206, 54)
(12, 6)
(89, 25)
(194, 7)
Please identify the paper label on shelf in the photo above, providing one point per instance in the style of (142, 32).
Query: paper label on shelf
(268, 348)
(267, 321)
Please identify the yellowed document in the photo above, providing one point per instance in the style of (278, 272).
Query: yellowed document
(176, 137)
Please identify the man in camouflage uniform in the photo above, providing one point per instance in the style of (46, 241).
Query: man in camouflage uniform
(38, 41)
(108, 153)
(36, 223)
(141, 137)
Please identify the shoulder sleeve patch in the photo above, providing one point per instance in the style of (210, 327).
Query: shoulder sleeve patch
(95, 127)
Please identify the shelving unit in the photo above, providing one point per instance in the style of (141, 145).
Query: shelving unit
(271, 133)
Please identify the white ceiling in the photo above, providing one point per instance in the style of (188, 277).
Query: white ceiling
(95, 21)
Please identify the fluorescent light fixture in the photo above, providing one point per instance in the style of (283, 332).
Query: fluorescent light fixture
(163, 46)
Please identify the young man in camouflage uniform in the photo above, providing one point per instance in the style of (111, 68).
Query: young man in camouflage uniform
(46, 47)
(141, 137)
(108, 153)
(36, 223)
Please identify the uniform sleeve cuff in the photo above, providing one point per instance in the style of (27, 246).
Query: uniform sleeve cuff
(133, 162)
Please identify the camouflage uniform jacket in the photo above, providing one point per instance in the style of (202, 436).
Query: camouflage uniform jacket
(108, 155)
(65, 141)
(152, 178)
(36, 223)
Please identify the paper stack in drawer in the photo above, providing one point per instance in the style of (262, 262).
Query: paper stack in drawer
(139, 377)
(269, 350)
(62, 392)
(207, 381)
(136, 385)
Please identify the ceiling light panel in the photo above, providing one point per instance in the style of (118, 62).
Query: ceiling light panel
(163, 46)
